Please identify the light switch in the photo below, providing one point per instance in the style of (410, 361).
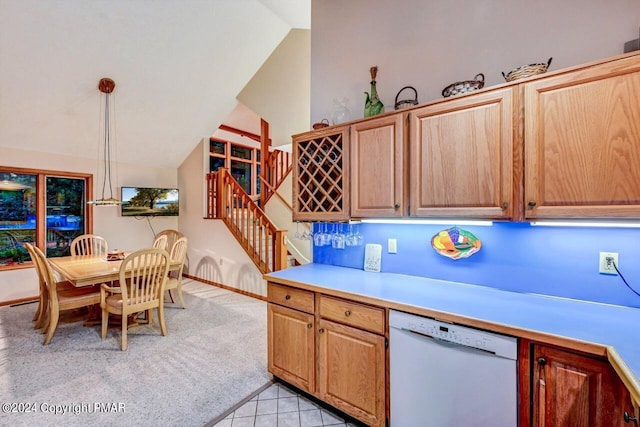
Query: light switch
(392, 246)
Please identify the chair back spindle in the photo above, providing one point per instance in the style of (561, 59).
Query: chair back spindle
(161, 242)
(89, 244)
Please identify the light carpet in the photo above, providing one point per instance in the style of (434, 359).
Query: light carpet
(214, 355)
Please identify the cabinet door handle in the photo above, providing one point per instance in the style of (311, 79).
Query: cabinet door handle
(532, 204)
(628, 418)
(347, 313)
(396, 206)
(287, 297)
(504, 206)
(542, 392)
(321, 331)
(542, 395)
(309, 326)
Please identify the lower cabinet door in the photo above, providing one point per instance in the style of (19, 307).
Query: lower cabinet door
(291, 346)
(351, 367)
(575, 390)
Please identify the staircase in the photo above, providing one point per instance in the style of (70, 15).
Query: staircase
(257, 235)
(244, 216)
(263, 242)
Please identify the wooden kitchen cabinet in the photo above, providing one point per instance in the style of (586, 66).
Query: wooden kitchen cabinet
(563, 145)
(582, 142)
(291, 336)
(462, 161)
(351, 365)
(321, 175)
(378, 187)
(570, 389)
(352, 358)
(336, 353)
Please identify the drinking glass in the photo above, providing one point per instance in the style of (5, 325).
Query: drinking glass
(318, 237)
(337, 238)
(350, 239)
(326, 236)
(359, 237)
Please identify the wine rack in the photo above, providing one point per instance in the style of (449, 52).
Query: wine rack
(321, 176)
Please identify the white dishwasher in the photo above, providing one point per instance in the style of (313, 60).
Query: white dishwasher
(445, 375)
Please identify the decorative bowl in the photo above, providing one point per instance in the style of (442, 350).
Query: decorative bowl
(455, 243)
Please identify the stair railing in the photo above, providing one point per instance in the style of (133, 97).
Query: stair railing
(278, 167)
(258, 236)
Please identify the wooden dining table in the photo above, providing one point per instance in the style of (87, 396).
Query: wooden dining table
(87, 270)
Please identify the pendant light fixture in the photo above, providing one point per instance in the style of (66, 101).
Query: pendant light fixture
(106, 86)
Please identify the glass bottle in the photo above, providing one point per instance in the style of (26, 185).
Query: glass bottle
(341, 112)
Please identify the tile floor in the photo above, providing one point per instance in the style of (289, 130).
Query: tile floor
(279, 406)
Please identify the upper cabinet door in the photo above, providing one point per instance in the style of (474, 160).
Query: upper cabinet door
(462, 157)
(377, 172)
(582, 143)
(321, 175)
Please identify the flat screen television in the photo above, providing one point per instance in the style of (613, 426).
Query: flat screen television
(149, 201)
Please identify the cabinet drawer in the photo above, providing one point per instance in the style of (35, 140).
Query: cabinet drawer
(352, 313)
(298, 299)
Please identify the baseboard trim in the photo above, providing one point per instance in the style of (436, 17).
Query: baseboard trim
(28, 300)
(20, 301)
(220, 285)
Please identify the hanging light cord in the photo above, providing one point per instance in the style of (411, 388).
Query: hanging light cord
(107, 150)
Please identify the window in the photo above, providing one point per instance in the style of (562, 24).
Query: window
(45, 208)
(242, 161)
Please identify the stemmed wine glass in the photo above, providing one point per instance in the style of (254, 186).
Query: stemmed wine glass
(337, 238)
(326, 236)
(351, 239)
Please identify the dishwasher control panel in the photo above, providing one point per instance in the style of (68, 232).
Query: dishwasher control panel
(501, 345)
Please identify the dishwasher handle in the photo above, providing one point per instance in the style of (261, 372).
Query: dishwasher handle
(451, 344)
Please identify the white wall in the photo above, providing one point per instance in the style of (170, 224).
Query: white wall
(279, 91)
(280, 214)
(120, 232)
(430, 44)
(213, 253)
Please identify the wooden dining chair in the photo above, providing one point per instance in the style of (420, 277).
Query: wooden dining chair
(58, 298)
(178, 254)
(43, 298)
(160, 242)
(89, 244)
(172, 236)
(143, 277)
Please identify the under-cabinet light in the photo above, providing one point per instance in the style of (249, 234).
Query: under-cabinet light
(603, 224)
(428, 221)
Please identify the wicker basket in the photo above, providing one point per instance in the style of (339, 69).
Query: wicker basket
(406, 103)
(527, 71)
(465, 86)
(321, 124)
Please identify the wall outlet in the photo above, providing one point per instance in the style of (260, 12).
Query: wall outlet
(392, 246)
(606, 262)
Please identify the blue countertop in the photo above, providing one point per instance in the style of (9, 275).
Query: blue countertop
(613, 327)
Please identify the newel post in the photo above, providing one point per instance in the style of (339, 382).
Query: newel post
(220, 196)
(265, 142)
(280, 250)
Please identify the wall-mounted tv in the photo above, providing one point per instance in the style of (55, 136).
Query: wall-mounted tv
(146, 201)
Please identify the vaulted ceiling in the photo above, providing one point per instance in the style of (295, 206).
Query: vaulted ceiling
(178, 68)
